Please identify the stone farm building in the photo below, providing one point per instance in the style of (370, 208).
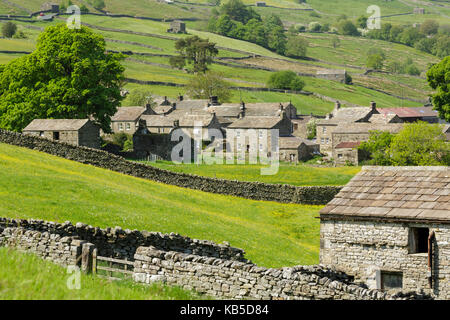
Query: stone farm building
(177, 27)
(294, 149)
(79, 132)
(389, 227)
(333, 74)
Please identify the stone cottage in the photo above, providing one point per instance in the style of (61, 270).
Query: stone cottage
(126, 118)
(255, 133)
(389, 227)
(333, 74)
(346, 152)
(295, 149)
(79, 132)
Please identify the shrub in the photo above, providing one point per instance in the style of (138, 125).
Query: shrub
(346, 27)
(296, 46)
(285, 80)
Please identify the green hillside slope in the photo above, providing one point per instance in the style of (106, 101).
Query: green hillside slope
(37, 185)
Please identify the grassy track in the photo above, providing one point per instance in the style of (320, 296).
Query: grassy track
(25, 276)
(37, 185)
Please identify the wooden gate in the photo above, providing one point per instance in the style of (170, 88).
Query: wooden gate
(111, 268)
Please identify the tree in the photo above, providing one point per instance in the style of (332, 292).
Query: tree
(139, 97)
(335, 41)
(238, 11)
(420, 144)
(99, 4)
(196, 51)
(375, 61)
(9, 29)
(439, 79)
(346, 27)
(375, 150)
(311, 128)
(296, 46)
(205, 85)
(285, 80)
(429, 27)
(362, 22)
(442, 46)
(69, 75)
(276, 40)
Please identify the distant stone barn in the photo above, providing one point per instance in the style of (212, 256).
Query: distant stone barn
(389, 227)
(79, 132)
(177, 27)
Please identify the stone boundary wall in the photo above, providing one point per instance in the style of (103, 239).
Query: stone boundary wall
(317, 195)
(119, 243)
(236, 280)
(59, 249)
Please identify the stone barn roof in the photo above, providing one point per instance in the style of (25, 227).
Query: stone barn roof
(348, 144)
(56, 124)
(252, 122)
(419, 194)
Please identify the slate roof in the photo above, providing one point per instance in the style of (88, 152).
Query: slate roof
(364, 127)
(252, 122)
(394, 193)
(382, 118)
(184, 120)
(293, 142)
(128, 113)
(56, 125)
(416, 112)
(351, 114)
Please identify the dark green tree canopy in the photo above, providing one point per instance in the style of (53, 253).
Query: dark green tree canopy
(9, 29)
(196, 51)
(438, 77)
(286, 80)
(69, 75)
(238, 11)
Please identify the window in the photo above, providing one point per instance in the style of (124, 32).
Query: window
(121, 126)
(239, 147)
(238, 133)
(128, 126)
(260, 133)
(295, 126)
(340, 155)
(41, 133)
(322, 140)
(390, 280)
(261, 147)
(56, 135)
(324, 129)
(418, 240)
(327, 140)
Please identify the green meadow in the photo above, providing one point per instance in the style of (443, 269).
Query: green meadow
(40, 186)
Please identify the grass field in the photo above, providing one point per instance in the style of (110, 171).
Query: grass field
(40, 186)
(299, 175)
(27, 277)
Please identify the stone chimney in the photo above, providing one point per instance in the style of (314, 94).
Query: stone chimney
(174, 106)
(214, 100)
(148, 109)
(373, 105)
(242, 110)
(176, 123)
(281, 107)
(180, 98)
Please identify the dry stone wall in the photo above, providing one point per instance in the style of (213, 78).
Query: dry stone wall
(250, 190)
(119, 243)
(237, 280)
(50, 246)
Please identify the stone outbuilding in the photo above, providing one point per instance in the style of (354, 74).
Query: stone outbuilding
(333, 74)
(389, 227)
(346, 152)
(177, 26)
(79, 132)
(295, 149)
(413, 114)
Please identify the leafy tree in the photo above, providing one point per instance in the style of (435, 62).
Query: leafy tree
(376, 150)
(425, 44)
(314, 27)
(139, 97)
(442, 46)
(375, 61)
(205, 85)
(429, 27)
(224, 25)
(412, 70)
(69, 75)
(276, 40)
(238, 11)
(409, 36)
(439, 79)
(256, 33)
(286, 80)
(296, 46)
(311, 128)
(9, 29)
(346, 27)
(420, 144)
(84, 9)
(98, 4)
(196, 51)
(362, 22)
(325, 27)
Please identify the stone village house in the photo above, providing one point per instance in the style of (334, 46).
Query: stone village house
(294, 149)
(126, 118)
(79, 132)
(389, 227)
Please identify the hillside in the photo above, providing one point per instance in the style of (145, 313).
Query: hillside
(155, 46)
(25, 276)
(40, 186)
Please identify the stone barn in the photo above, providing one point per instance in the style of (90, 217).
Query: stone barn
(79, 132)
(177, 27)
(295, 149)
(389, 227)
